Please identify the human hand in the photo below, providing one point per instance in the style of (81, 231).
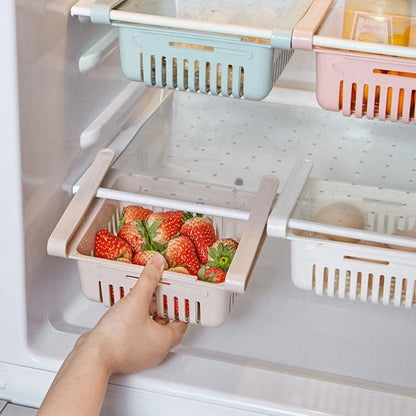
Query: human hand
(127, 338)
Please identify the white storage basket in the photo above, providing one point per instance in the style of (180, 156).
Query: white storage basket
(348, 270)
(195, 301)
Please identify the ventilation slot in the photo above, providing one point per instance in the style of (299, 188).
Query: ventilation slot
(198, 312)
(208, 76)
(219, 78)
(153, 69)
(314, 277)
(401, 103)
(100, 291)
(241, 83)
(196, 67)
(377, 101)
(230, 80)
(121, 292)
(141, 66)
(370, 285)
(111, 293)
(176, 307)
(164, 71)
(365, 99)
(341, 95)
(381, 288)
(185, 74)
(165, 306)
(175, 72)
(347, 283)
(388, 100)
(353, 97)
(359, 277)
(404, 291)
(187, 309)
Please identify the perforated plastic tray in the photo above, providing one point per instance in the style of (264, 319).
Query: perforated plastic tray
(229, 48)
(362, 70)
(237, 215)
(367, 270)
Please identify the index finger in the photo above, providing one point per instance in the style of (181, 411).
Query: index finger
(143, 290)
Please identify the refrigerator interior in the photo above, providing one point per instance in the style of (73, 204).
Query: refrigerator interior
(276, 335)
(273, 325)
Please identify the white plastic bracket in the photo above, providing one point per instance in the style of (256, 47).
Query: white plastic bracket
(279, 218)
(282, 35)
(100, 10)
(59, 240)
(101, 50)
(253, 236)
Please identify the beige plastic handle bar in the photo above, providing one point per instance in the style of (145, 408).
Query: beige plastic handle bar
(249, 247)
(307, 26)
(74, 213)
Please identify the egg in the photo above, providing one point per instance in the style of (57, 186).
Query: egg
(343, 215)
(405, 233)
(301, 233)
(372, 243)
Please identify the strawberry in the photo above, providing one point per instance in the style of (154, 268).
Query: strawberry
(165, 304)
(123, 260)
(163, 226)
(142, 257)
(179, 269)
(108, 246)
(131, 213)
(221, 253)
(181, 251)
(134, 233)
(211, 274)
(201, 231)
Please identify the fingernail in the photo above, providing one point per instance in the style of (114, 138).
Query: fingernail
(158, 261)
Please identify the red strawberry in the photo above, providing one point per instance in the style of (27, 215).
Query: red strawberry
(211, 274)
(142, 257)
(163, 226)
(181, 251)
(221, 253)
(179, 269)
(108, 246)
(201, 231)
(165, 304)
(134, 233)
(131, 213)
(123, 260)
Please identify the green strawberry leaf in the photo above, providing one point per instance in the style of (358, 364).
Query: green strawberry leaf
(201, 275)
(221, 256)
(186, 216)
(121, 219)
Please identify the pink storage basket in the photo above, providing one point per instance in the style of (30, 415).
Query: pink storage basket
(376, 86)
(360, 83)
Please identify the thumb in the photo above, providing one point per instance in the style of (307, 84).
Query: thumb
(147, 283)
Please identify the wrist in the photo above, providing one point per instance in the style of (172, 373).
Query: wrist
(91, 352)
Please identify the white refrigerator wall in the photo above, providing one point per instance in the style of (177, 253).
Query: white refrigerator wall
(245, 366)
(46, 103)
